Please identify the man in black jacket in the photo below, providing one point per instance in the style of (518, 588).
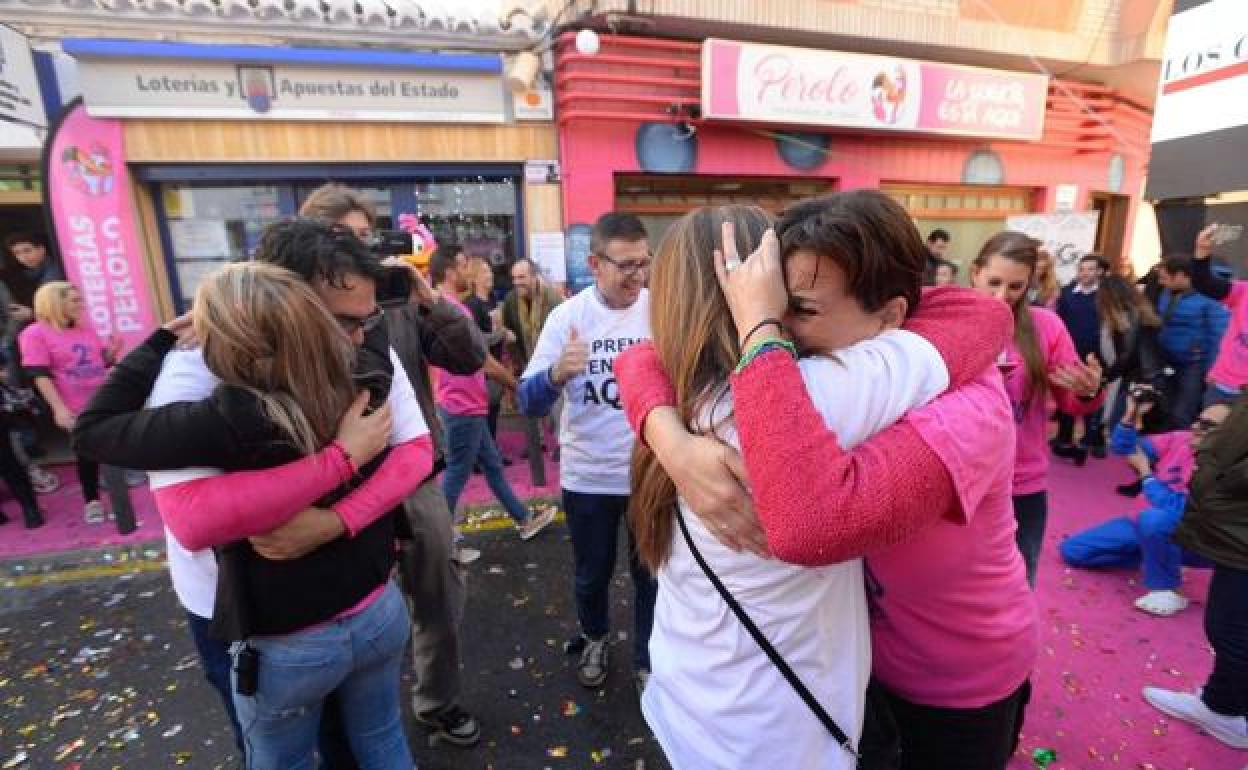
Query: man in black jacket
(427, 331)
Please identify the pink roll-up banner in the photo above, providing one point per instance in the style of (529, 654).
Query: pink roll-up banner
(87, 197)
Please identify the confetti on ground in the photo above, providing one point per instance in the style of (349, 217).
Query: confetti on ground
(557, 752)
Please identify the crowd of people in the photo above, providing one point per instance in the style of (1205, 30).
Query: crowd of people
(829, 463)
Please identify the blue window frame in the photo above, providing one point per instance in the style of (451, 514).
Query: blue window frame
(212, 214)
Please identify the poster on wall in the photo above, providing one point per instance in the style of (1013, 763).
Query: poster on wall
(202, 238)
(87, 197)
(547, 252)
(577, 259)
(1067, 235)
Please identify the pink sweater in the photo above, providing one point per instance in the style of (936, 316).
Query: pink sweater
(465, 395)
(1231, 367)
(1031, 417)
(954, 589)
(222, 509)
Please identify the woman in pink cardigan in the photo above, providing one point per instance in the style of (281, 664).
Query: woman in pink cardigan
(1039, 362)
(926, 500)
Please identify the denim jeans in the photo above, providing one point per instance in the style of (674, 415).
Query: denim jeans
(357, 658)
(1187, 391)
(1031, 512)
(1126, 542)
(594, 523)
(214, 658)
(468, 442)
(1226, 626)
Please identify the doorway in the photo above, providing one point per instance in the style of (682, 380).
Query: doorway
(1111, 230)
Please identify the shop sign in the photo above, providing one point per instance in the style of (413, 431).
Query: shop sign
(1200, 121)
(88, 196)
(163, 88)
(20, 101)
(799, 86)
(1067, 235)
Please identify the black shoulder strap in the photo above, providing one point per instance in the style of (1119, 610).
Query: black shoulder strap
(789, 674)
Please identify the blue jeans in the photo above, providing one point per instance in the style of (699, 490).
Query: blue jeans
(594, 523)
(214, 658)
(1187, 391)
(357, 658)
(1126, 542)
(1226, 626)
(468, 442)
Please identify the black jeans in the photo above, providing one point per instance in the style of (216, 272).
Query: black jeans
(1226, 625)
(1031, 512)
(1093, 432)
(89, 478)
(15, 474)
(900, 735)
(594, 522)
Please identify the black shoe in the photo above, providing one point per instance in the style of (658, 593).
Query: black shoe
(3, 519)
(452, 724)
(1079, 455)
(1098, 451)
(507, 462)
(1130, 490)
(1063, 450)
(575, 645)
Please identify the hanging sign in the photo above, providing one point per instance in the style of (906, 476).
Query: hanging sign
(87, 194)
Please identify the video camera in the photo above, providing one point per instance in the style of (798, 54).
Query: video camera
(394, 289)
(1143, 393)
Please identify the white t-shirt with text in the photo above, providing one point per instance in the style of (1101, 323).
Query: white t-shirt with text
(714, 699)
(595, 440)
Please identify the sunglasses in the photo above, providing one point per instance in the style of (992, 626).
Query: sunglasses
(352, 324)
(629, 269)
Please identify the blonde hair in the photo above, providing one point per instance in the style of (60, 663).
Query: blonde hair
(263, 328)
(479, 268)
(50, 304)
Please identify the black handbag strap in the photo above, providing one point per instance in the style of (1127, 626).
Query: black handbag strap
(789, 674)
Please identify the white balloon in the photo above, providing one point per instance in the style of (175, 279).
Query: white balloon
(587, 42)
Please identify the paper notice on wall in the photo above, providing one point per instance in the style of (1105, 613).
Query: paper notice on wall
(1067, 235)
(199, 238)
(546, 250)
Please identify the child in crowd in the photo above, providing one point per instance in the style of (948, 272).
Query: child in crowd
(67, 362)
(1164, 462)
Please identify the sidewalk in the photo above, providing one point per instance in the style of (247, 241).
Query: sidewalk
(65, 531)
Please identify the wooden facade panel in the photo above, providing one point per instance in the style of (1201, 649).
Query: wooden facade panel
(207, 141)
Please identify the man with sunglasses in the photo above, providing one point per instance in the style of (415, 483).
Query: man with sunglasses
(573, 357)
(1165, 463)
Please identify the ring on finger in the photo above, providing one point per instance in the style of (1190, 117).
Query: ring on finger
(731, 265)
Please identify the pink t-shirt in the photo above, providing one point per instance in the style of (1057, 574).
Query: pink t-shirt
(1175, 460)
(462, 394)
(1031, 453)
(74, 358)
(956, 624)
(1231, 367)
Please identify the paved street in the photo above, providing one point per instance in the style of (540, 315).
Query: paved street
(99, 672)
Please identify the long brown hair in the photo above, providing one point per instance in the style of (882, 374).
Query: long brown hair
(696, 342)
(1044, 279)
(263, 328)
(1023, 249)
(1120, 306)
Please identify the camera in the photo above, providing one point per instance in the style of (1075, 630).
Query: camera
(391, 243)
(394, 288)
(1143, 393)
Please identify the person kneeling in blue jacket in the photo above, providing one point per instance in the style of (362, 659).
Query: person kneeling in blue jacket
(1164, 462)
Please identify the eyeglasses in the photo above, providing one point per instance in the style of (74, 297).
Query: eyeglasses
(629, 269)
(352, 324)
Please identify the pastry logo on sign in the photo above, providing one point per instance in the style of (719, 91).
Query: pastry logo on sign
(90, 170)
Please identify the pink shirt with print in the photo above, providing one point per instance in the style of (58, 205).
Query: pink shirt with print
(462, 394)
(1231, 368)
(1031, 416)
(74, 358)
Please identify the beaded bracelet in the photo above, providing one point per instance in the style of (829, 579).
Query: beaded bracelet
(762, 347)
(765, 322)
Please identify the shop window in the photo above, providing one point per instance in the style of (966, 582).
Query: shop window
(211, 225)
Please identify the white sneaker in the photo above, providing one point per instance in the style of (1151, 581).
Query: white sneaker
(1162, 603)
(1233, 731)
(93, 512)
(537, 521)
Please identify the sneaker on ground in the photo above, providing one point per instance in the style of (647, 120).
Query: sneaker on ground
(1233, 731)
(1162, 603)
(592, 670)
(43, 481)
(538, 520)
(452, 724)
(93, 512)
